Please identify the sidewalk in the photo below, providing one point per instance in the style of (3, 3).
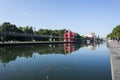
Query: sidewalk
(114, 48)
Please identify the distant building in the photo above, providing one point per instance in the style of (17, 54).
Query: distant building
(92, 36)
(68, 36)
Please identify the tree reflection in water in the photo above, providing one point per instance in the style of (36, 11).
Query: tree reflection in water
(11, 53)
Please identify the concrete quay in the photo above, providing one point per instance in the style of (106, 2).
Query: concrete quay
(114, 48)
(33, 43)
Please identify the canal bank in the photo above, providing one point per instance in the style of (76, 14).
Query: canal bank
(34, 43)
(114, 48)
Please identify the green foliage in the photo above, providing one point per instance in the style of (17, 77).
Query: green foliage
(7, 27)
(77, 35)
(28, 30)
(50, 32)
(115, 33)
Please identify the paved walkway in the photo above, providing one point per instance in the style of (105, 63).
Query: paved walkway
(115, 59)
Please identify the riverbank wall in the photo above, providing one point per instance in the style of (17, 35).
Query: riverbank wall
(2, 44)
(114, 48)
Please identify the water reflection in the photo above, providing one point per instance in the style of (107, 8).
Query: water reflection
(8, 54)
(55, 62)
(92, 46)
(68, 48)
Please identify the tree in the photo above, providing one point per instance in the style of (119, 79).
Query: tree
(8, 28)
(115, 33)
(28, 30)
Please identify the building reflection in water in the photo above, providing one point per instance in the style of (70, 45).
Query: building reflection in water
(92, 46)
(68, 48)
(8, 54)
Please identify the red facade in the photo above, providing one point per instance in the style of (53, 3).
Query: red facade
(68, 36)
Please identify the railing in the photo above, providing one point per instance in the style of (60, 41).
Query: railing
(35, 36)
(28, 35)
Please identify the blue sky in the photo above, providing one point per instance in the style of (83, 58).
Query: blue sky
(81, 16)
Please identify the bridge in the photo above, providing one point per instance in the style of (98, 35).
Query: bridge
(28, 35)
(32, 36)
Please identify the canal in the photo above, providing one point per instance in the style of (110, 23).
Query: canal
(55, 62)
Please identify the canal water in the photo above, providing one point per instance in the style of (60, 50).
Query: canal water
(55, 62)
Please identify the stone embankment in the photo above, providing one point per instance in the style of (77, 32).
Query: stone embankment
(114, 48)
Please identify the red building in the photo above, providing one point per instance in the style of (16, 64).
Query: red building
(68, 36)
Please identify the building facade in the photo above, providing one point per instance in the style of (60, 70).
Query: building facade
(68, 36)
